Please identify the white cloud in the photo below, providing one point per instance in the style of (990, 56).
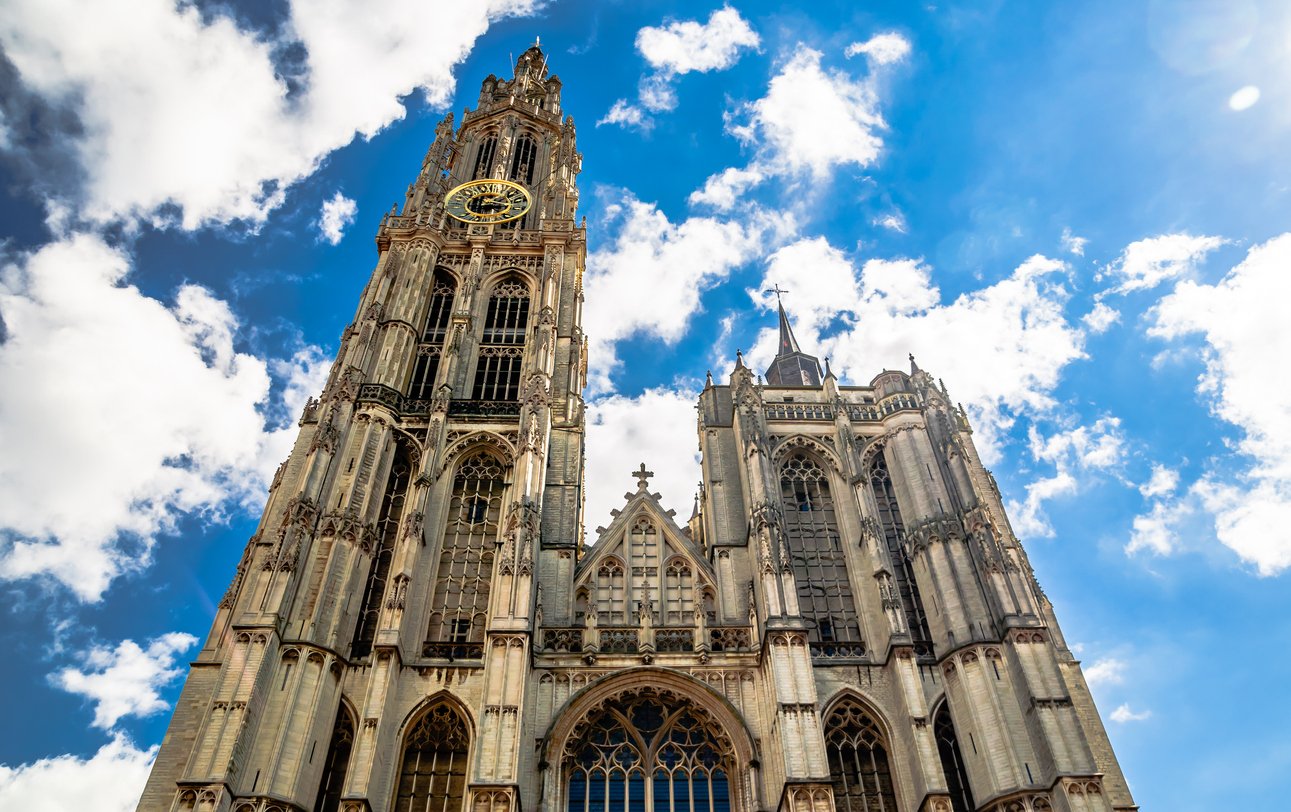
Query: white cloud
(1124, 714)
(683, 47)
(1147, 263)
(812, 119)
(181, 107)
(160, 413)
(1156, 530)
(1244, 98)
(111, 780)
(1242, 354)
(1073, 244)
(649, 279)
(1106, 671)
(723, 190)
(628, 115)
(1101, 318)
(125, 681)
(893, 221)
(656, 427)
(881, 49)
(338, 212)
(1072, 451)
(1001, 348)
(1162, 482)
(678, 48)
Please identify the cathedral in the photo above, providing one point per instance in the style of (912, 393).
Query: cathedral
(846, 622)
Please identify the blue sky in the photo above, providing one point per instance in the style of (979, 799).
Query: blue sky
(1076, 214)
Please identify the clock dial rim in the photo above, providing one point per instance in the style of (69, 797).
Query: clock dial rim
(465, 215)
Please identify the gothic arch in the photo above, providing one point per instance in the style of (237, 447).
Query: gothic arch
(811, 445)
(489, 441)
(442, 696)
(436, 740)
(508, 273)
(581, 705)
(860, 753)
(449, 271)
(848, 693)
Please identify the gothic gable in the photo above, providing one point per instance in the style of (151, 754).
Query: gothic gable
(643, 563)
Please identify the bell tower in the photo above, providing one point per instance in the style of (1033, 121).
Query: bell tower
(373, 649)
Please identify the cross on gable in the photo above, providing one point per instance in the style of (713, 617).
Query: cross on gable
(643, 477)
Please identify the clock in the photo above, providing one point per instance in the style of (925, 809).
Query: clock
(487, 201)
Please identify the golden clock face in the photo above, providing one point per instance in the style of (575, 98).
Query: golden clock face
(487, 201)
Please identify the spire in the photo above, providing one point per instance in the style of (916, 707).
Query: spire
(792, 366)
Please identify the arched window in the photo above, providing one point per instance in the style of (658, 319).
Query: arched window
(338, 761)
(484, 158)
(649, 753)
(524, 157)
(858, 761)
(902, 567)
(952, 761)
(431, 348)
(460, 604)
(433, 774)
(387, 533)
(497, 375)
(818, 559)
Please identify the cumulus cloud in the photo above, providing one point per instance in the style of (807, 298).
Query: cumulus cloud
(1106, 671)
(1001, 348)
(1101, 318)
(184, 114)
(625, 114)
(723, 190)
(1156, 530)
(881, 49)
(125, 681)
(656, 427)
(337, 213)
(1147, 263)
(1073, 244)
(893, 221)
(160, 412)
(649, 278)
(1124, 714)
(1072, 452)
(678, 48)
(111, 780)
(1162, 482)
(1251, 507)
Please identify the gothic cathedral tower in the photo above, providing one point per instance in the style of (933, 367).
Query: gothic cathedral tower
(846, 623)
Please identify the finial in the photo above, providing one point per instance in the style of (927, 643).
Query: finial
(537, 41)
(643, 477)
(777, 290)
(708, 380)
(739, 359)
(829, 373)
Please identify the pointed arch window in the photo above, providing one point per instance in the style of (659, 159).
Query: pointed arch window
(952, 761)
(649, 753)
(497, 373)
(387, 534)
(524, 159)
(858, 761)
(431, 349)
(902, 567)
(432, 775)
(818, 559)
(484, 158)
(338, 761)
(459, 606)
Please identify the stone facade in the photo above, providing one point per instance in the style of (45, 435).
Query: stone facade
(845, 622)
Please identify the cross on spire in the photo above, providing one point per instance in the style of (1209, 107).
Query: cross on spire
(643, 477)
(777, 290)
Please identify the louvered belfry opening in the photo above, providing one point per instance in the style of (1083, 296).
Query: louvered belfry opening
(430, 350)
(387, 534)
(497, 373)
